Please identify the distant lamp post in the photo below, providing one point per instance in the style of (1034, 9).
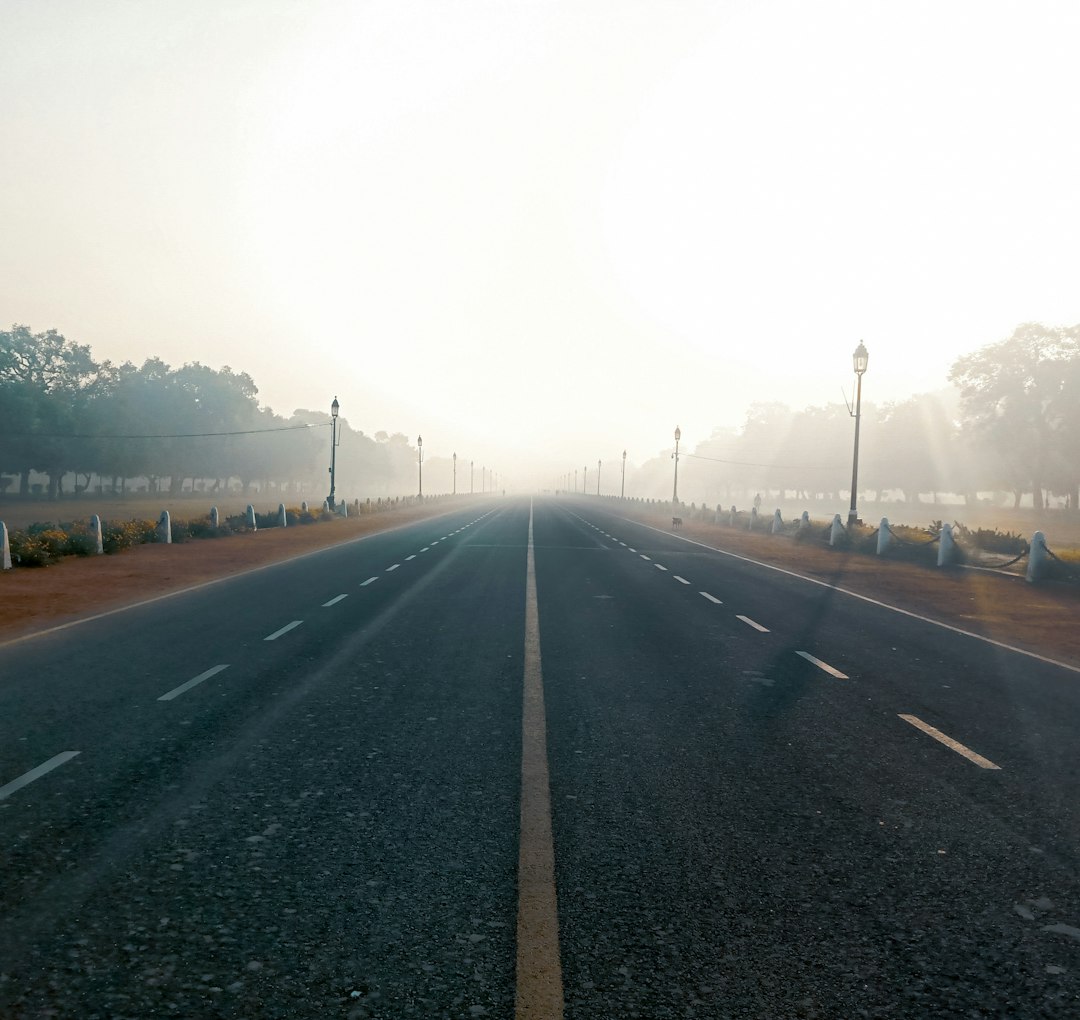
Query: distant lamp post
(335, 407)
(622, 487)
(675, 487)
(455, 475)
(585, 479)
(420, 461)
(471, 489)
(860, 359)
(575, 481)
(598, 463)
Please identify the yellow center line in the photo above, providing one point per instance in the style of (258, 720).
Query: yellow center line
(539, 972)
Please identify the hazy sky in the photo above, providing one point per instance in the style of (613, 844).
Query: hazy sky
(556, 229)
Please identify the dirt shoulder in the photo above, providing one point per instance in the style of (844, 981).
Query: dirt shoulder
(1044, 618)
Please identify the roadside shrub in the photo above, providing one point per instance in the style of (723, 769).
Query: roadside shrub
(80, 542)
(119, 535)
(992, 540)
(27, 550)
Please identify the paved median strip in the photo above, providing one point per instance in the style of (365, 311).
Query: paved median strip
(284, 630)
(953, 745)
(195, 681)
(43, 769)
(824, 666)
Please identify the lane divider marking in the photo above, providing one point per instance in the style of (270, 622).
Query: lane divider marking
(711, 598)
(752, 623)
(394, 567)
(370, 580)
(681, 580)
(824, 665)
(630, 549)
(539, 986)
(195, 681)
(334, 601)
(643, 556)
(425, 549)
(36, 773)
(953, 745)
(412, 557)
(660, 566)
(284, 630)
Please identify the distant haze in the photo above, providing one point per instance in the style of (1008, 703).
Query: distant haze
(541, 233)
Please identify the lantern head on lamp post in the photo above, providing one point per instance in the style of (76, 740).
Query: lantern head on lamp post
(859, 360)
(335, 407)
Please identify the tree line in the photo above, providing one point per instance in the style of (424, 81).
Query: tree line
(1010, 424)
(64, 415)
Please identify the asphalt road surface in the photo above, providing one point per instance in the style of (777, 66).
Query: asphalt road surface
(310, 790)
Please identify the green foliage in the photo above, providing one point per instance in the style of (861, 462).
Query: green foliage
(992, 539)
(119, 535)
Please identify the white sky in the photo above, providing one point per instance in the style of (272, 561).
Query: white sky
(538, 233)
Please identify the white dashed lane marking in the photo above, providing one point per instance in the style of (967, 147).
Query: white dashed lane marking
(43, 769)
(824, 665)
(334, 601)
(659, 566)
(681, 580)
(953, 745)
(643, 556)
(195, 681)
(412, 557)
(394, 567)
(711, 598)
(284, 630)
(370, 580)
(752, 623)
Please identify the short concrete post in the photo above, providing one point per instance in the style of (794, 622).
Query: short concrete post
(164, 528)
(1038, 557)
(215, 518)
(804, 521)
(95, 534)
(753, 518)
(946, 547)
(884, 536)
(326, 506)
(777, 523)
(732, 514)
(282, 519)
(5, 548)
(303, 506)
(249, 517)
(344, 509)
(836, 532)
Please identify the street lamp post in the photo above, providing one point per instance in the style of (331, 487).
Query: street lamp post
(585, 479)
(575, 481)
(420, 462)
(334, 408)
(622, 487)
(598, 463)
(471, 489)
(455, 475)
(860, 359)
(675, 486)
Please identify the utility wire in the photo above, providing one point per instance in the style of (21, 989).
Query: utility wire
(167, 435)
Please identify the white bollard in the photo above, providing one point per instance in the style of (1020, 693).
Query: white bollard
(343, 509)
(836, 533)
(303, 507)
(164, 528)
(282, 520)
(215, 518)
(249, 516)
(753, 518)
(326, 506)
(946, 547)
(777, 523)
(804, 521)
(732, 513)
(95, 533)
(1038, 557)
(884, 536)
(5, 548)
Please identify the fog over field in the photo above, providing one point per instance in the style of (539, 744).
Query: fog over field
(539, 235)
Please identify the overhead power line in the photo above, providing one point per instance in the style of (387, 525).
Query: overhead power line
(165, 435)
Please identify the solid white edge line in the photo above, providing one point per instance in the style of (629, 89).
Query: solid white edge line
(866, 598)
(681, 580)
(953, 745)
(36, 773)
(334, 601)
(752, 623)
(284, 630)
(711, 598)
(824, 665)
(195, 681)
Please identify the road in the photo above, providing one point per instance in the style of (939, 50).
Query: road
(300, 792)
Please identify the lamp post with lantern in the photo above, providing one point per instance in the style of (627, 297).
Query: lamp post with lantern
(675, 486)
(859, 359)
(335, 407)
(420, 462)
(622, 487)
